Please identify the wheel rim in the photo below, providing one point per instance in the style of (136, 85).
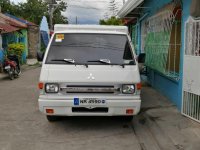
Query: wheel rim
(11, 73)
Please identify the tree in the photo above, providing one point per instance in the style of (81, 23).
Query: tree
(8, 7)
(34, 10)
(57, 16)
(111, 21)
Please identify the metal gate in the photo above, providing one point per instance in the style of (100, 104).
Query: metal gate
(191, 70)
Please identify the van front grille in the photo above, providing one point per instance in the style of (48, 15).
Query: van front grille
(89, 89)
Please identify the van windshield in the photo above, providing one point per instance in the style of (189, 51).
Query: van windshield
(90, 49)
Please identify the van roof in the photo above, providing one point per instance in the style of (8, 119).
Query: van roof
(89, 28)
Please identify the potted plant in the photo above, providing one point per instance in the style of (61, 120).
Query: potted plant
(16, 49)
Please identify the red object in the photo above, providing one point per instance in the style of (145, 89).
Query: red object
(178, 12)
(8, 28)
(9, 24)
(10, 63)
(129, 111)
(139, 86)
(51, 33)
(129, 21)
(40, 85)
(49, 111)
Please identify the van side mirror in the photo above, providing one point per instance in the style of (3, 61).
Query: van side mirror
(141, 58)
(40, 56)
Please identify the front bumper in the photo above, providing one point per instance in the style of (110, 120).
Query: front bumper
(117, 105)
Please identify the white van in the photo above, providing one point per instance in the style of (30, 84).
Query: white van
(89, 70)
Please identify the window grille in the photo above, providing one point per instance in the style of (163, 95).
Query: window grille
(163, 41)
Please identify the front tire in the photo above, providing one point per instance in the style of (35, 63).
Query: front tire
(52, 118)
(17, 72)
(11, 73)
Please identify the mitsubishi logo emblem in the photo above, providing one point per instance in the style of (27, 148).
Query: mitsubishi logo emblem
(91, 77)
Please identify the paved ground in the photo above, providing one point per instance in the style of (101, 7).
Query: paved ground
(22, 127)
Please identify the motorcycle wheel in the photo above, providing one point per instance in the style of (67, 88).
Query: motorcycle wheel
(17, 72)
(11, 73)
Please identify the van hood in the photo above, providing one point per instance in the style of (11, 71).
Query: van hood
(93, 74)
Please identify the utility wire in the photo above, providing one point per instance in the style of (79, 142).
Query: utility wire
(92, 1)
(85, 7)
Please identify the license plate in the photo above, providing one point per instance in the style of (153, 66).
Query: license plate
(89, 101)
(7, 67)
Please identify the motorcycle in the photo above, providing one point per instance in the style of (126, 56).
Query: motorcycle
(12, 67)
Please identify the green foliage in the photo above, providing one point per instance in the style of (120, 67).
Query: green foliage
(34, 10)
(111, 21)
(8, 7)
(43, 47)
(58, 18)
(16, 49)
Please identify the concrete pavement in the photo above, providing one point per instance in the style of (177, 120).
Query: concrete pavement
(23, 127)
(159, 126)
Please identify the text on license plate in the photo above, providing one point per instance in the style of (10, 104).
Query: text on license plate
(89, 101)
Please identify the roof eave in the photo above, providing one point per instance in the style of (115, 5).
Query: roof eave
(128, 7)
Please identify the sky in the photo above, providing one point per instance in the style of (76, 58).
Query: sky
(86, 11)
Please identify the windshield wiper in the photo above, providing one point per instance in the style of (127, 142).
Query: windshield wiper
(104, 61)
(108, 62)
(71, 61)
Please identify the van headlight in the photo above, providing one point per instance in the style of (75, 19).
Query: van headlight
(51, 88)
(128, 89)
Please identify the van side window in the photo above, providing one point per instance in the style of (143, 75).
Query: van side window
(127, 52)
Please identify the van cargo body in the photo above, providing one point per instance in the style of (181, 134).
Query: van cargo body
(89, 71)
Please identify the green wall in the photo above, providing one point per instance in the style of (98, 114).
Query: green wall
(20, 36)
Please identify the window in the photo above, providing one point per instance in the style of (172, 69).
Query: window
(163, 41)
(84, 47)
(192, 37)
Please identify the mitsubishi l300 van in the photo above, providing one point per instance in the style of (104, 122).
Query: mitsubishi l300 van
(89, 70)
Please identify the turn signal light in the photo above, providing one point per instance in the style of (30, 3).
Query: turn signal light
(49, 111)
(40, 85)
(139, 86)
(129, 111)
